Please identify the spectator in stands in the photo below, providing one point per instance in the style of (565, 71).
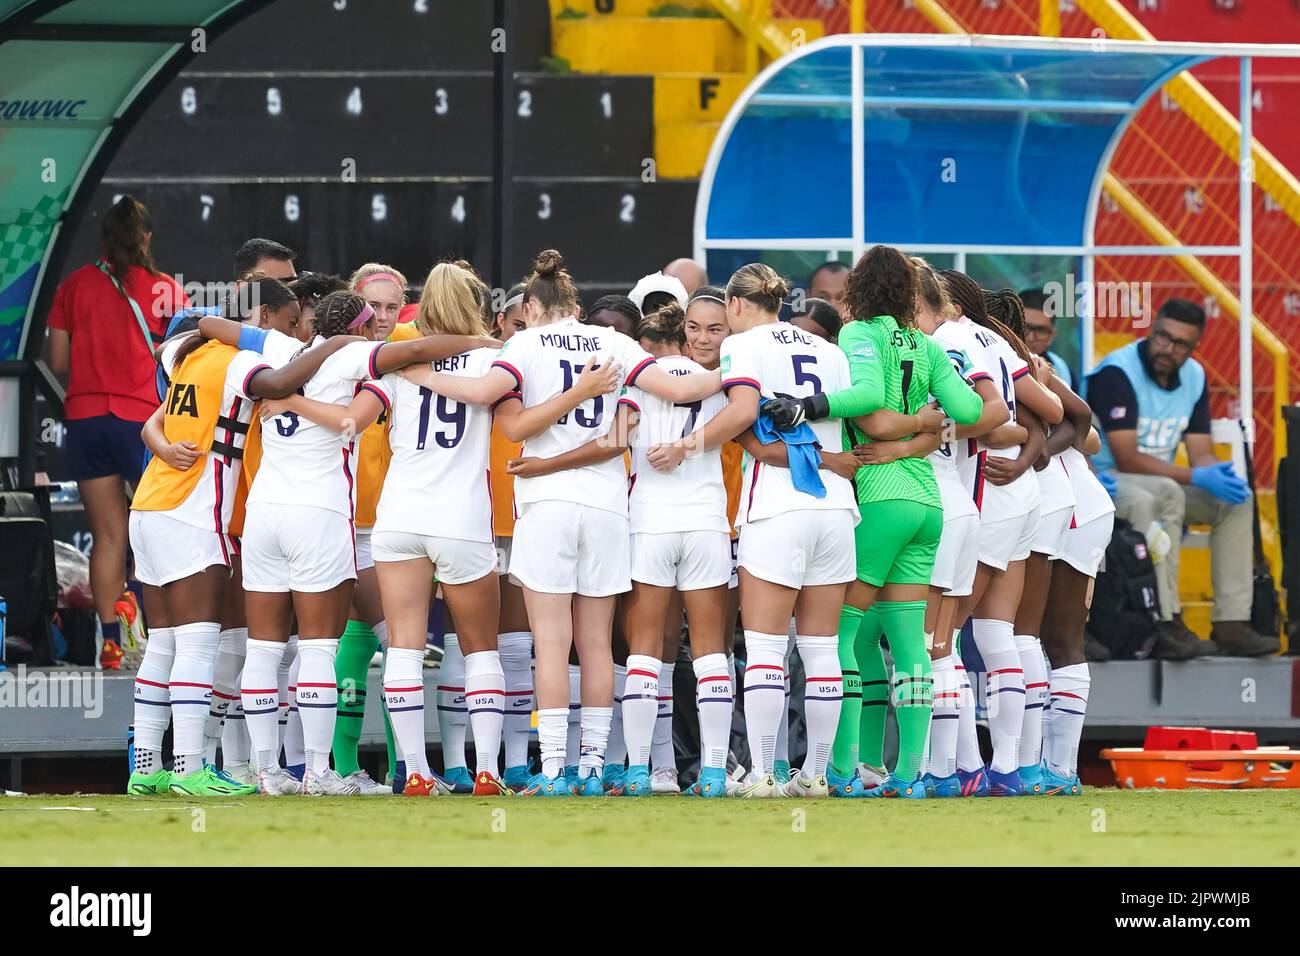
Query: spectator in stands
(616, 312)
(1148, 397)
(1040, 332)
(266, 256)
(107, 319)
(689, 272)
(819, 318)
(653, 292)
(827, 282)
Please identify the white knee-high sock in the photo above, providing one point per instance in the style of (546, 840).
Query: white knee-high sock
(152, 710)
(764, 695)
(191, 691)
(595, 738)
(1034, 665)
(573, 735)
(945, 718)
(714, 701)
(225, 686)
(516, 649)
(641, 707)
(485, 696)
(823, 695)
(381, 635)
(234, 736)
(261, 699)
(1006, 689)
(318, 700)
(552, 733)
(662, 754)
(969, 757)
(294, 747)
(287, 692)
(453, 715)
(1069, 705)
(616, 752)
(783, 728)
(404, 697)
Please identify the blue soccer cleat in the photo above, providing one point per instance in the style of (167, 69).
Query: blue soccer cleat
(613, 778)
(941, 787)
(712, 783)
(296, 770)
(1032, 778)
(459, 780)
(636, 781)
(590, 786)
(781, 770)
(1006, 784)
(516, 778)
(571, 775)
(974, 783)
(846, 788)
(896, 788)
(1057, 785)
(540, 785)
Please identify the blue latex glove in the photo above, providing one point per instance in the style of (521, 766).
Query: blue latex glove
(1222, 482)
(1109, 482)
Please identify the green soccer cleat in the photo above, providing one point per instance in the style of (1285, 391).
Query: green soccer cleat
(210, 783)
(149, 784)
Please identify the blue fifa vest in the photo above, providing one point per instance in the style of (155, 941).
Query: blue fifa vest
(1162, 414)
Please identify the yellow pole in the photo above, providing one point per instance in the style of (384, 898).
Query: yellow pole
(858, 16)
(1049, 18)
(939, 18)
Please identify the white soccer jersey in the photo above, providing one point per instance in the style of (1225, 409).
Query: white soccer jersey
(307, 464)
(971, 362)
(1090, 499)
(439, 479)
(212, 498)
(778, 359)
(1055, 486)
(545, 361)
(692, 496)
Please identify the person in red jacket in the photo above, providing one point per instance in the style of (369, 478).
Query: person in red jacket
(107, 319)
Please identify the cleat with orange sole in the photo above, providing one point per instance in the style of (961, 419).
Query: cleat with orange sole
(418, 786)
(486, 785)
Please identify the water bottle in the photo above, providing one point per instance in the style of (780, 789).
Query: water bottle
(4, 614)
(130, 748)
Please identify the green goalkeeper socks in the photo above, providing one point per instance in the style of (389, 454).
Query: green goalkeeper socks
(875, 688)
(913, 687)
(844, 754)
(357, 648)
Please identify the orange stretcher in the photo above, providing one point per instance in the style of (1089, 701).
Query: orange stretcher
(1180, 758)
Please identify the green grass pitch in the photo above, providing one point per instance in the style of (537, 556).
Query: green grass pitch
(1103, 827)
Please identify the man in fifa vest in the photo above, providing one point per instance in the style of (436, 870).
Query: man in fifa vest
(1148, 397)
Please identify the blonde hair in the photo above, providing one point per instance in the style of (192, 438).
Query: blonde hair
(758, 283)
(931, 289)
(451, 302)
(374, 269)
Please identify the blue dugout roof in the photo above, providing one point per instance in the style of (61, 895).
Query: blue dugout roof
(957, 143)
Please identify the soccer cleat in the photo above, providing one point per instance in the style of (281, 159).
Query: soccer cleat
(637, 782)
(516, 778)
(571, 776)
(368, 786)
(781, 770)
(664, 780)
(942, 786)
(974, 783)
(712, 783)
(735, 780)
(209, 782)
(131, 622)
(1058, 785)
(149, 784)
(277, 783)
(328, 784)
(540, 785)
(296, 770)
(1032, 778)
(845, 788)
(895, 788)
(421, 786)
(242, 773)
(589, 786)
(110, 657)
(871, 776)
(486, 785)
(1006, 784)
(807, 787)
(458, 780)
(758, 787)
(614, 778)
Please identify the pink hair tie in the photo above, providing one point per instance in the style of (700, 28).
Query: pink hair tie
(379, 275)
(364, 316)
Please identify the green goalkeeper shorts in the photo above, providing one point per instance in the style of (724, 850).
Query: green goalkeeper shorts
(896, 541)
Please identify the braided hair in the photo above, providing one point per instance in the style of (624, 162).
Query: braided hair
(971, 300)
